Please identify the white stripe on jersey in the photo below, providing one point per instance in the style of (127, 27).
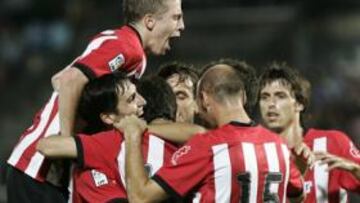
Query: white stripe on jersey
(222, 173)
(96, 43)
(321, 176)
(343, 196)
(37, 160)
(251, 167)
(273, 163)
(33, 136)
(155, 156)
(197, 198)
(286, 155)
(121, 163)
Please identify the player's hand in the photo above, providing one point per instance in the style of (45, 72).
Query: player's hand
(131, 125)
(334, 161)
(305, 158)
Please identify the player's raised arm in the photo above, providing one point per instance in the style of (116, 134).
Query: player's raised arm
(70, 84)
(176, 132)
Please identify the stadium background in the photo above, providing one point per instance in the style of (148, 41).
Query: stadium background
(321, 38)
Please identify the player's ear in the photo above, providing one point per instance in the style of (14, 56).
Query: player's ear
(299, 107)
(108, 118)
(149, 21)
(205, 100)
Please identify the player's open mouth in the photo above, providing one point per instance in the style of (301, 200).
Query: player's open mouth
(272, 115)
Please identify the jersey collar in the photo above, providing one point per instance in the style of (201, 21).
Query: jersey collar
(136, 32)
(240, 124)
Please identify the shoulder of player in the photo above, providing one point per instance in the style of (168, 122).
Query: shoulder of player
(123, 42)
(108, 134)
(335, 135)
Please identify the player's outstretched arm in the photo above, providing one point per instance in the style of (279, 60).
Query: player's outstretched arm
(70, 83)
(176, 132)
(338, 162)
(57, 147)
(138, 185)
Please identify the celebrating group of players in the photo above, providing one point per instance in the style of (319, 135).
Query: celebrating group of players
(179, 136)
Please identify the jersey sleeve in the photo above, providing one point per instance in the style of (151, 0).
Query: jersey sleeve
(94, 151)
(348, 148)
(296, 182)
(106, 54)
(348, 151)
(187, 168)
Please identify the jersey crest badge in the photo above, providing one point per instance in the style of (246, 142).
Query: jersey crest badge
(116, 62)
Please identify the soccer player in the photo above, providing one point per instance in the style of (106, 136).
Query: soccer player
(100, 157)
(182, 78)
(284, 96)
(150, 24)
(238, 161)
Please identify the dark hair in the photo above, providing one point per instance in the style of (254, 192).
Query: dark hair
(244, 79)
(299, 86)
(160, 99)
(100, 95)
(134, 10)
(182, 69)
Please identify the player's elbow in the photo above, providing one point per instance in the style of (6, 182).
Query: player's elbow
(71, 77)
(140, 199)
(44, 148)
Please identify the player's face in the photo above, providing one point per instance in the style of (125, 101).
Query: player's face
(278, 106)
(130, 102)
(168, 25)
(186, 105)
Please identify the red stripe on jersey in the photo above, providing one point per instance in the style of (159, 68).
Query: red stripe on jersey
(25, 151)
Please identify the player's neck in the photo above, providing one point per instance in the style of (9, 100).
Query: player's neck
(140, 30)
(226, 115)
(293, 133)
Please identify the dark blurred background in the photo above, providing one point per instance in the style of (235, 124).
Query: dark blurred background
(321, 38)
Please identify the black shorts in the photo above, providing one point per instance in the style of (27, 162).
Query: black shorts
(23, 188)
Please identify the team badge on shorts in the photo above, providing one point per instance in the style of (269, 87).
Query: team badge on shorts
(116, 62)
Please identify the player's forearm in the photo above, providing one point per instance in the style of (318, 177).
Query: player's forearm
(138, 184)
(57, 147)
(356, 171)
(176, 132)
(72, 82)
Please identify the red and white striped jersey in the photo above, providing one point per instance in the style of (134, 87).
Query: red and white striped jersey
(107, 52)
(234, 163)
(321, 185)
(100, 176)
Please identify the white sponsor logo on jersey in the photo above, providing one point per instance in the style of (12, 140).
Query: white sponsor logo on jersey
(116, 62)
(307, 186)
(179, 153)
(99, 178)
